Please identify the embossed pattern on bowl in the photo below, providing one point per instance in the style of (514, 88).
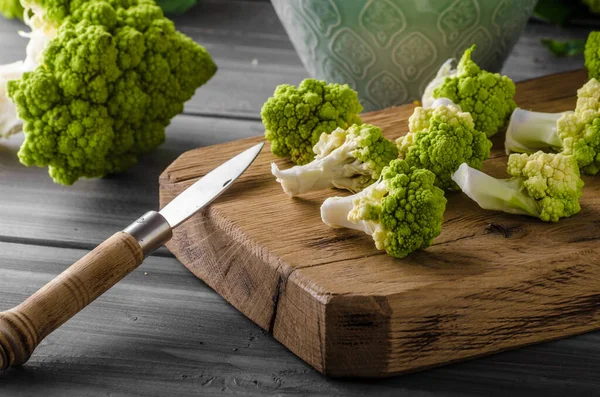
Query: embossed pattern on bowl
(388, 50)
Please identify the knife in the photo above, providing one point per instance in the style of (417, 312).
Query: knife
(26, 325)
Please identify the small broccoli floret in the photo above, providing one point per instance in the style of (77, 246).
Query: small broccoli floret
(440, 139)
(295, 118)
(487, 96)
(572, 133)
(591, 54)
(346, 159)
(543, 185)
(403, 211)
(112, 74)
(11, 9)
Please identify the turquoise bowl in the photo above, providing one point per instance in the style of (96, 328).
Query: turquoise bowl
(389, 50)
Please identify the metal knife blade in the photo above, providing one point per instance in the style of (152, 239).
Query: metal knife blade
(208, 188)
(154, 229)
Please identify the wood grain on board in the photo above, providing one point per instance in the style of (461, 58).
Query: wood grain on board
(491, 281)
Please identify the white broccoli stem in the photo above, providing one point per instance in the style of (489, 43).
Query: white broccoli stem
(495, 194)
(335, 210)
(38, 38)
(529, 132)
(443, 102)
(445, 71)
(339, 168)
(304, 178)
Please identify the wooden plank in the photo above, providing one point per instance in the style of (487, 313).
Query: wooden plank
(160, 332)
(349, 310)
(82, 215)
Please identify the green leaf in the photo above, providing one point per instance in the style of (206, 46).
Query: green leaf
(565, 48)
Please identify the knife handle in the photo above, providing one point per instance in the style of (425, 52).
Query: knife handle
(23, 327)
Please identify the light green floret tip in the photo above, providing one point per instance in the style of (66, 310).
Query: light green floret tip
(544, 185)
(575, 133)
(295, 117)
(109, 81)
(592, 54)
(11, 9)
(487, 96)
(403, 211)
(349, 159)
(440, 139)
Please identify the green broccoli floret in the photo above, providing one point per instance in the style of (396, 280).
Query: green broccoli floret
(543, 185)
(111, 77)
(441, 138)
(346, 159)
(487, 96)
(403, 211)
(591, 54)
(11, 9)
(572, 133)
(295, 118)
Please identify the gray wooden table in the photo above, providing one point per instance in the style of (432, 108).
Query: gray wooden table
(162, 332)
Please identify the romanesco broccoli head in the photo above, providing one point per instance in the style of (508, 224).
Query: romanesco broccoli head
(295, 117)
(107, 86)
(11, 9)
(440, 140)
(487, 96)
(404, 210)
(579, 131)
(552, 180)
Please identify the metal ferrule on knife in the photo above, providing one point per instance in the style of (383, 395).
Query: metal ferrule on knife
(151, 231)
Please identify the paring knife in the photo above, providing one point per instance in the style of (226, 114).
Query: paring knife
(26, 325)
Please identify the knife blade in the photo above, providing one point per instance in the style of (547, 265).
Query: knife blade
(23, 327)
(211, 186)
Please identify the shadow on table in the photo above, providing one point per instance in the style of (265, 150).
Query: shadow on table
(569, 367)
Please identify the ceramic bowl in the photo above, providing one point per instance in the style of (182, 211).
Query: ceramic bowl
(388, 50)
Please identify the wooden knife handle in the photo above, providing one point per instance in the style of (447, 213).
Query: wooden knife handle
(25, 326)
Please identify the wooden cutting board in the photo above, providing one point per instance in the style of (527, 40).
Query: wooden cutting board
(490, 282)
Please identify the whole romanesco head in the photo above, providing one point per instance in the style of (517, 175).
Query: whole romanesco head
(551, 179)
(11, 9)
(404, 211)
(348, 159)
(441, 138)
(108, 84)
(487, 96)
(579, 131)
(295, 117)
